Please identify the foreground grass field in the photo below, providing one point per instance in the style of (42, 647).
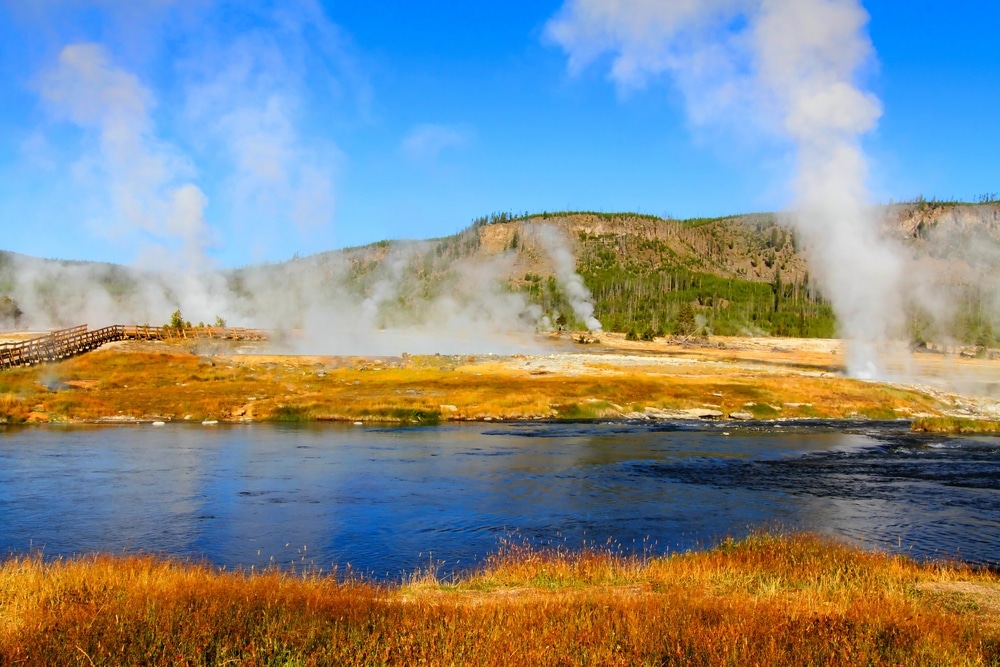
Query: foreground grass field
(765, 600)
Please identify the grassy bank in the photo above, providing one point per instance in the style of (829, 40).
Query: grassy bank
(955, 425)
(766, 600)
(167, 383)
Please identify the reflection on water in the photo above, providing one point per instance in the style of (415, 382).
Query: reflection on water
(383, 500)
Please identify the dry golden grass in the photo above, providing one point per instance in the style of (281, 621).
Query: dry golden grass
(170, 383)
(12, 409)
(766, 600)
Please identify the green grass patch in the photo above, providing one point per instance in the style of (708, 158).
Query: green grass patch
(879, 413)
(954, 425)
(763, 411)
(578, 411)
(810, 412)
(292, 413)
(403, 415)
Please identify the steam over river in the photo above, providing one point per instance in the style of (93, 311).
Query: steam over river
(384, 499)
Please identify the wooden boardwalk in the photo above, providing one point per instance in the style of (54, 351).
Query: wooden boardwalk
(77, 340)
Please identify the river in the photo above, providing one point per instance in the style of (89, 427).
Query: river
(388, 501)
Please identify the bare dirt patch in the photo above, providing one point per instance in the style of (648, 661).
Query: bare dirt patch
(986, 596)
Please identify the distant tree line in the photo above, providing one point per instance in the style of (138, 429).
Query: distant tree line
(10, 312)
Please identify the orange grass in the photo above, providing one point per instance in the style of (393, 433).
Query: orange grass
(12, 409)
(121, 383)
(765, 600)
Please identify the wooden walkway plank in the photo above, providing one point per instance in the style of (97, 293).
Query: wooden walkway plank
(70, 342)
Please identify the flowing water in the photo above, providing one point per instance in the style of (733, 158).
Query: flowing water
(388, 501)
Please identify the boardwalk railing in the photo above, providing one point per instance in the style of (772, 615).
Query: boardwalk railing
(77, 340)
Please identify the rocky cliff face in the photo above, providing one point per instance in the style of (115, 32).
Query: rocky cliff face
(961, 240)
(957, 243)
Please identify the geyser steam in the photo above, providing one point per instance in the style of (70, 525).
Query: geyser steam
(579, 296)
(242, 155)
(791, 68)
(446, 295)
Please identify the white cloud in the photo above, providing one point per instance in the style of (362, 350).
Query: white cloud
(272, 169)
(257, 115)
(38, 151)
(241, 100)
(426, 142)
(144, 176)
(646, 37)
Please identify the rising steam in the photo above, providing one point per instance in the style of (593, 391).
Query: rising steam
(447, 295)
(790, 68)
(418, 297)
(581, 301)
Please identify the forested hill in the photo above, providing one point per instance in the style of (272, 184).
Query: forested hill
(649, 276)
(743, 274)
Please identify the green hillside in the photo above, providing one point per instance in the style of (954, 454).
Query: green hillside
(748, 274)
(643, 286)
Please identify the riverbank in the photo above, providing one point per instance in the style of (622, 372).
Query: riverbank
(774, 600)
(723, 379)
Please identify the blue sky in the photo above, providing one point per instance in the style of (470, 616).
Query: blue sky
(236, 132)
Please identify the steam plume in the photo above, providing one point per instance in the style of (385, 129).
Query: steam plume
(138, 175)
(790, 68)
(571, 282)
(448, 295)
